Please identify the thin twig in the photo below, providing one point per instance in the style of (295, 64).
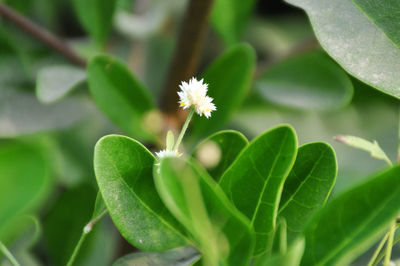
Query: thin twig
(41, 34)
(187, 51)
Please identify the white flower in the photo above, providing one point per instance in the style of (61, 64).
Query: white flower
(194, 94)
(167, 153)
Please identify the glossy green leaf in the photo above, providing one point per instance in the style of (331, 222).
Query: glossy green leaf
(229, 79)
(217, 152)
(24, 183)
(355, 42)
(96, 17)
(56, 81)
(123, 169)
(308, 81)
(308, 185)
(182, 256)
(229, 18)
(119, 95)
(255, 180)
(220, 232)
(359, 143)
(353, 221)
(385, 15)
(291, 258)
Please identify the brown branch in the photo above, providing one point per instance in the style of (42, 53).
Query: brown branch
(42, 35)
(187, 51)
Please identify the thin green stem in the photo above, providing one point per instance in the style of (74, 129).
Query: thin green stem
(8, 254)
(86, 230)
(383, 254)
(77, 248)
(389, 245)
(184, 128)
(378, 249)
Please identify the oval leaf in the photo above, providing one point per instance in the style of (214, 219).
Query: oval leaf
(220, 232)
(255, 180)
(308, 81)
(56, 81)
(24, 183)
(21, 113)
(229, 78)
(96, 17)
(385, 16)
(351, 223)
(362, 49)
(219, 151)
(123, 169)
(308, 185)
(119, 95)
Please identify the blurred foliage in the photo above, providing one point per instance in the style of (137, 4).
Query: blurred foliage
(263, 67)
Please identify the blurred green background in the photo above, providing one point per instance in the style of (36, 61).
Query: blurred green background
(49, 122)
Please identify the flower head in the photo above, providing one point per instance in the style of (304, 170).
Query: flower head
(194, 94)
(167, 153)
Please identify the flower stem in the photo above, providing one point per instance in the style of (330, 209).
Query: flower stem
(184, 128)
(8, 254)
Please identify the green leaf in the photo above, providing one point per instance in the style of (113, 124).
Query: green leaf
(221, 233)
(229, 79)
(24, 183)
(22, 114)
(255, 180)
(385, 16)
(217, 152)
(307, 81)
(291, 258)
(355, 42)
(123, 169)
(182, 256)
(362, 144)
(119, 95)
(229, 18)
(351, 223)
(96, 17)
(308, 185)
(55, 82)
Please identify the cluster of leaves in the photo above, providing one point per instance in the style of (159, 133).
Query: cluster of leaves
(251, 205)
(265, 201)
